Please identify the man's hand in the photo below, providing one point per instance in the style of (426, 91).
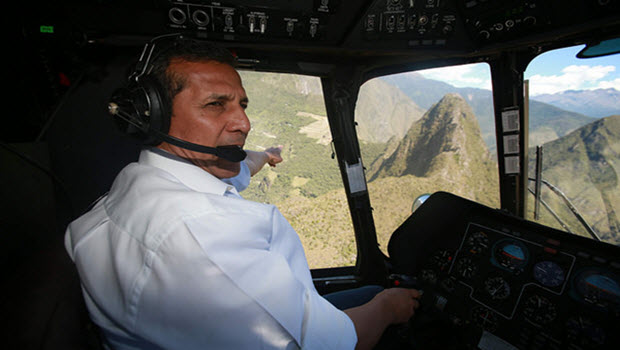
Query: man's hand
(273, 154)
(391, 306)
(257, 159)
(401, 303)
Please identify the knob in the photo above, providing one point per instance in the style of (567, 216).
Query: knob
(313, 29)
(529, 20)
(290, 27)
(177, 16)
(252, 23)
(484, 34)
(200, 17)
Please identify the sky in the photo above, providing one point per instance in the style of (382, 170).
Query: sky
(549, 73)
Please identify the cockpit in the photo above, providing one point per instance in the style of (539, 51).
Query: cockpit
(497, 197)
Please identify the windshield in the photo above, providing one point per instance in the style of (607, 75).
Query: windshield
(575, 120)
(420, 133)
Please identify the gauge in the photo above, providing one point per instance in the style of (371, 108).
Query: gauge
(484, 318)
(478, 242)
(583, 332)
(539, 310)
(429, 276)
(442, 260)
(497, 287)
(510, 254)
(549, 274)
(597, 287)
(466, 268)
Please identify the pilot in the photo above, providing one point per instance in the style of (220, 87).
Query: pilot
(174, 258)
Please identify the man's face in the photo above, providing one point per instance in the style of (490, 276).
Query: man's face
(209, 111)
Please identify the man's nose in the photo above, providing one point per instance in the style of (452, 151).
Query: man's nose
(240, 122)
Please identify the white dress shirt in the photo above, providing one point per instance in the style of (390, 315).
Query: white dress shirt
(174, 258)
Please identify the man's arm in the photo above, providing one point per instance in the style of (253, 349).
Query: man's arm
(391, 306)
(256, 160)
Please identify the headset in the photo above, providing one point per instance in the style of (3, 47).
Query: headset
(143, 111)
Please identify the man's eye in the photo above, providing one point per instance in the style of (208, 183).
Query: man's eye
(214, 103)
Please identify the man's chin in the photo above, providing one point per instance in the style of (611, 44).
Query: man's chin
(226, 169)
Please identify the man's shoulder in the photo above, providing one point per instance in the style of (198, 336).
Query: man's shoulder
(150, 192)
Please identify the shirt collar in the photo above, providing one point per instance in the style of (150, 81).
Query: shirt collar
(186, 172)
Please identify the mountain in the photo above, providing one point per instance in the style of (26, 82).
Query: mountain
(547, 122)
(591, 155)
(444, 150)
(594, 103)
(446, 143)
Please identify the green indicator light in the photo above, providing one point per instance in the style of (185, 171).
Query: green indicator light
(46, 29)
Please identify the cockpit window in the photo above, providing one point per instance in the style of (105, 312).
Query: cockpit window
(423, 132)
(289, 111)
(575, 122)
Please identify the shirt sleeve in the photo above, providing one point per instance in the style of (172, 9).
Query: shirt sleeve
(242, 180)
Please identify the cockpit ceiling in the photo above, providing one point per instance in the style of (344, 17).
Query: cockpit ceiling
(379, 32)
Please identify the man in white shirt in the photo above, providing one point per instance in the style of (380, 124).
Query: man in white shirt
(174, 258)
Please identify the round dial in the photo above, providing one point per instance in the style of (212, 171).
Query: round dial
(549, 274)
(442, 260)
(429, 276)
(466, 268)
(599, 288)
(510, 254)
(539, 310)
(484, 318)
(497, 287)
(478, 242)
(582, 331)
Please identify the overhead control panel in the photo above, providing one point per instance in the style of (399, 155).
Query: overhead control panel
(491, 21)
(209, 19)
(418, 22)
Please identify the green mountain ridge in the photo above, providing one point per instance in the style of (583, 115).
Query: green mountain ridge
(446, 143)
(591, 155)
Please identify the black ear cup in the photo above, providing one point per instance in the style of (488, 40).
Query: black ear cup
(146, 109)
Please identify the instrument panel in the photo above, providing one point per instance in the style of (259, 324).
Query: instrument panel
(493, 281)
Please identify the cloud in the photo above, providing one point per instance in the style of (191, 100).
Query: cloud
(469, 75)
(609, 84)
(573, 77)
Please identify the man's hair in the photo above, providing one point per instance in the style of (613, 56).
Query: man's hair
(189, 50)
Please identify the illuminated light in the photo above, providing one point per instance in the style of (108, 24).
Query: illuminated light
(550, 250)
(46, 29)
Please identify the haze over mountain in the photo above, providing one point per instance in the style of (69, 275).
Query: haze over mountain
(594, 103)
(383, 111)
(546, 121)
